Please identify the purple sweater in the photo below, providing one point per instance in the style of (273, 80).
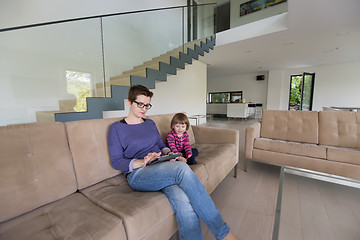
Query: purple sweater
(128, 142)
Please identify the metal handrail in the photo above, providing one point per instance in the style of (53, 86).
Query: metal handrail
(97, 16)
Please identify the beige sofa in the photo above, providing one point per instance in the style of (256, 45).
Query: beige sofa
(323, 141)
(57, 182)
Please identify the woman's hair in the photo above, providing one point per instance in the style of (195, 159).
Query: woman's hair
(180, 118)
(138, 90)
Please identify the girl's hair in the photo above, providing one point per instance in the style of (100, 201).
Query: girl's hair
(180, 118)
(138, 90)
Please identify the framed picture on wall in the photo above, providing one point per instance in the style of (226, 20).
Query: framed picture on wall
(257, 5)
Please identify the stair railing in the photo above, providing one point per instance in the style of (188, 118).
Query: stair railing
(54, 65)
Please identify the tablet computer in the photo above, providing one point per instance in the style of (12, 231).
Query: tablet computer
(164, 158)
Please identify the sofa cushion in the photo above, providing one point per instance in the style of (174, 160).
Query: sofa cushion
(89, 148)
(73, 217)
(315, 164)
(347, 155)
(141, 211)
(301, 149)
(340, 129)
(218, 160)
(200, 171)
(163, 121)
(35, 167)
(296, 126)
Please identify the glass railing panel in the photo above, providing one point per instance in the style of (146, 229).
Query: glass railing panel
(207, 20)
(48, 68)
(132, 40)
(199, 22)
(54, 67)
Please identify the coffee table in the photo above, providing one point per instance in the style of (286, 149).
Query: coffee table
(313, 205)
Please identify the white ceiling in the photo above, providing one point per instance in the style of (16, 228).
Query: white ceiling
(318, 32)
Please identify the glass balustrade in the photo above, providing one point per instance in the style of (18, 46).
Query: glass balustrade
(54, 67)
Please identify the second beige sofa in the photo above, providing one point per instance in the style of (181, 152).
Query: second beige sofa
(324, 141)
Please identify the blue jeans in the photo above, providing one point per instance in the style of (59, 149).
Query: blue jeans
(187, 196)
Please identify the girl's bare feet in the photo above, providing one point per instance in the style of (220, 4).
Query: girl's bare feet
(231, 236)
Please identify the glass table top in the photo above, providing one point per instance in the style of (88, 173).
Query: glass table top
(314, 205)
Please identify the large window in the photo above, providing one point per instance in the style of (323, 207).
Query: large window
(225, 97)
(301, 92)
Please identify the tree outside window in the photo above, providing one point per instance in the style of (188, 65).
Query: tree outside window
(225, 97)
(301, 92)
(79, 85)
(295, 92)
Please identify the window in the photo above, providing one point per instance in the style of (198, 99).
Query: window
(301, 92)
(225, 97)
(79, 85)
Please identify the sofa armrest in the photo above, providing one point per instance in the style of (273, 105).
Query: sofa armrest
(215, 135)
(207, 135)
(252, 132)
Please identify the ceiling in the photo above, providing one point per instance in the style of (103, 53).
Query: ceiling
(317, 33)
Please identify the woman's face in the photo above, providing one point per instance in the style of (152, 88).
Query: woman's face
(140, 106)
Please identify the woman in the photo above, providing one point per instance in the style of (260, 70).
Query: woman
(134, 142)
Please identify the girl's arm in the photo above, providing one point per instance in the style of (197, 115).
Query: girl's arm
(171, 142)
(187, 146)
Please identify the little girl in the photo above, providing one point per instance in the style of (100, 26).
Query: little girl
(178, 139)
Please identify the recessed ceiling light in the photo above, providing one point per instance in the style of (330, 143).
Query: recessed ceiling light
(341, 33)
(332, 50)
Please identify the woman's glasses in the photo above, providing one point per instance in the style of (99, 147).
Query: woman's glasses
(142, 105)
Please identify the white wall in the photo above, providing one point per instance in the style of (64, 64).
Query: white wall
(253, 91)
(335, 85)
(184, 92)
(277, 90)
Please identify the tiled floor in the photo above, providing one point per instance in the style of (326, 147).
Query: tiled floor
(247, 203)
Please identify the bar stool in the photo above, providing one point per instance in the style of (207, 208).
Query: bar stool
(252, 110)
(258, 110)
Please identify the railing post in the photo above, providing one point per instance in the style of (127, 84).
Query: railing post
(183, 29)
(103, 54)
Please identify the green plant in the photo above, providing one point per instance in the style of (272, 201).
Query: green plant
(295, 93)
(81, 101)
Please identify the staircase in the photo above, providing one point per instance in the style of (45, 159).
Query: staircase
(117, 88)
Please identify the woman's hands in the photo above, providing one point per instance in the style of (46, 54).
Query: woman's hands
(148, 158)
(151, 156)
(167, 151)
(181, 159)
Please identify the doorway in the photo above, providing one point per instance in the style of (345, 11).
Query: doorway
(222, 17)
(301, 92)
